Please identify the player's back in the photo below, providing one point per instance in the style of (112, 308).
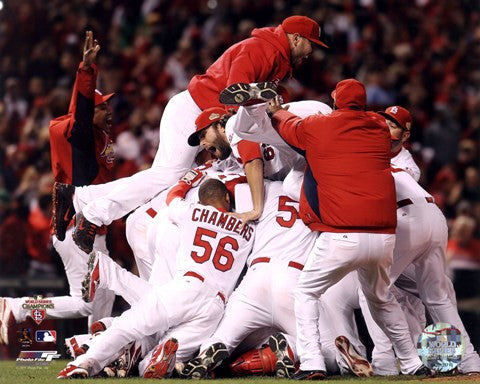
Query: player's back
(280, 233)
(212, 244)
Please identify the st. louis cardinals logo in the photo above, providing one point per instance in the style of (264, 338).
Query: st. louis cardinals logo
(108, 151)
(38, 315)
(394, 110)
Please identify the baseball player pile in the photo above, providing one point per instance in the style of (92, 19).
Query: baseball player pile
(258, 231)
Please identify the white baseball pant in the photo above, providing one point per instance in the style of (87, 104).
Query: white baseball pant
(138, 227)
(120, 281)
(174, 157)
(337, 317)
(384, 361)
(187, 308)
(263, 304)
(422, 236)
(131, 287)
(333, 256)
(71, 307)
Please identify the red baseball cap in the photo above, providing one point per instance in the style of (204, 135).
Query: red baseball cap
(101, 98)
(204, 120)
(305, 27)
(399, 116)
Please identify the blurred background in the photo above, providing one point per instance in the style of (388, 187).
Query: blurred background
(420, 54)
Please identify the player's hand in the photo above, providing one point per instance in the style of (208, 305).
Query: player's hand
(90, 50)
(246, 217)
(193, 177)
(275, 105)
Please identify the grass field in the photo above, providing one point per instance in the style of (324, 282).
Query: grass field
(10, 374)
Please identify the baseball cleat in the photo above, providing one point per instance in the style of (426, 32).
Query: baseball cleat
(424, 371)
(125, 363)
(63, 209)
(92, 279)
(247, 94)
(84, 233)
(162, 362)
(73, 372)
(357, 364)
(472, 374)
(73, 348)
(128, 359)
(309, 375)
(284, 367)
(7, 320)
(109, 371)
(199, 367)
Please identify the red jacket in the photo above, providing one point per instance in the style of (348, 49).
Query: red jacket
(263, 57)
(348, 186)
(81, 154)
(38, 236)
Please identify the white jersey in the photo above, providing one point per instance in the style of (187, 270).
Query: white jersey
(404, 160)
(252, 123)
(277, 159)
(211, 243)
(407, 187)
(280, 233)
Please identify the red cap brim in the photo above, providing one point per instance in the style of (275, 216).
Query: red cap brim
(99, 99)
(391, 118)
(316, 41)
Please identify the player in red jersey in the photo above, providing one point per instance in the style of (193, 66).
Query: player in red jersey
(82, 154)
(348, 194)
(268, 56)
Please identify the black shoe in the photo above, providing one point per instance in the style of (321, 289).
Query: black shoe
(199, 367)
(63, 209)
(309, 375)
(247, 94)
(284, 367)
(424, 371)
(84, 233)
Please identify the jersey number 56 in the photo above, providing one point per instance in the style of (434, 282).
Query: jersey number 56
(222, 258)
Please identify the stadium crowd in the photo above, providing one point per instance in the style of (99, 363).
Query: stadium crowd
(423, 55)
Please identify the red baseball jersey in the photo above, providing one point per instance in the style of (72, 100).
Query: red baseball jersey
(348, 186)
(263, 57)
(81, 154)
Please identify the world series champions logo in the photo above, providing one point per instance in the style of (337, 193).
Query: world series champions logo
(441, 347)
(38, 306)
